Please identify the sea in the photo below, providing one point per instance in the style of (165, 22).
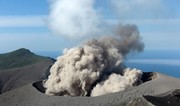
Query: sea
(163, 61)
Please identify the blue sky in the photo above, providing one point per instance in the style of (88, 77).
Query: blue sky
(23, 24)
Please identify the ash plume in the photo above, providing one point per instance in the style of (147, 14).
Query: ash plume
(76, 72)
(96, 67)
(117, 82)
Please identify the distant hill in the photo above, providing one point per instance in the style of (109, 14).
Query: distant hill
(22, 67)
(19, 58)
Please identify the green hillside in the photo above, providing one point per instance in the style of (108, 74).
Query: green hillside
(19, 58)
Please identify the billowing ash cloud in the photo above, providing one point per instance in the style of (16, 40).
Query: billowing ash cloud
(95, 65)
(72, 18)
(117, 82)
(95, 68)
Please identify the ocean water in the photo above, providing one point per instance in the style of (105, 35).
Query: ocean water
(52, 54)
(163, 61)
(171, 70)
(156, 54)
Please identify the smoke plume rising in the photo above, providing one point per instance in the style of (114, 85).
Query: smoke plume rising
(96, 67)
(81, 68)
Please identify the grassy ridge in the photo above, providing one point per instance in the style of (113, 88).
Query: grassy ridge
(19, 58)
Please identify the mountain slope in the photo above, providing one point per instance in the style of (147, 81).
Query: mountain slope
(19, 58)
(21, 67)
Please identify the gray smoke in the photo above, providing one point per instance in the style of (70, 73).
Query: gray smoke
(96, 65)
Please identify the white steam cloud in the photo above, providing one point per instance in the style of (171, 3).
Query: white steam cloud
(77, 18)
(73, 18)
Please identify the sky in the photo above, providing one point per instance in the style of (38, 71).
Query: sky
(23, 24)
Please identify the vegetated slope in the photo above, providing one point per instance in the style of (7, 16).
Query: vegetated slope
(22, 67)
(19, 58)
